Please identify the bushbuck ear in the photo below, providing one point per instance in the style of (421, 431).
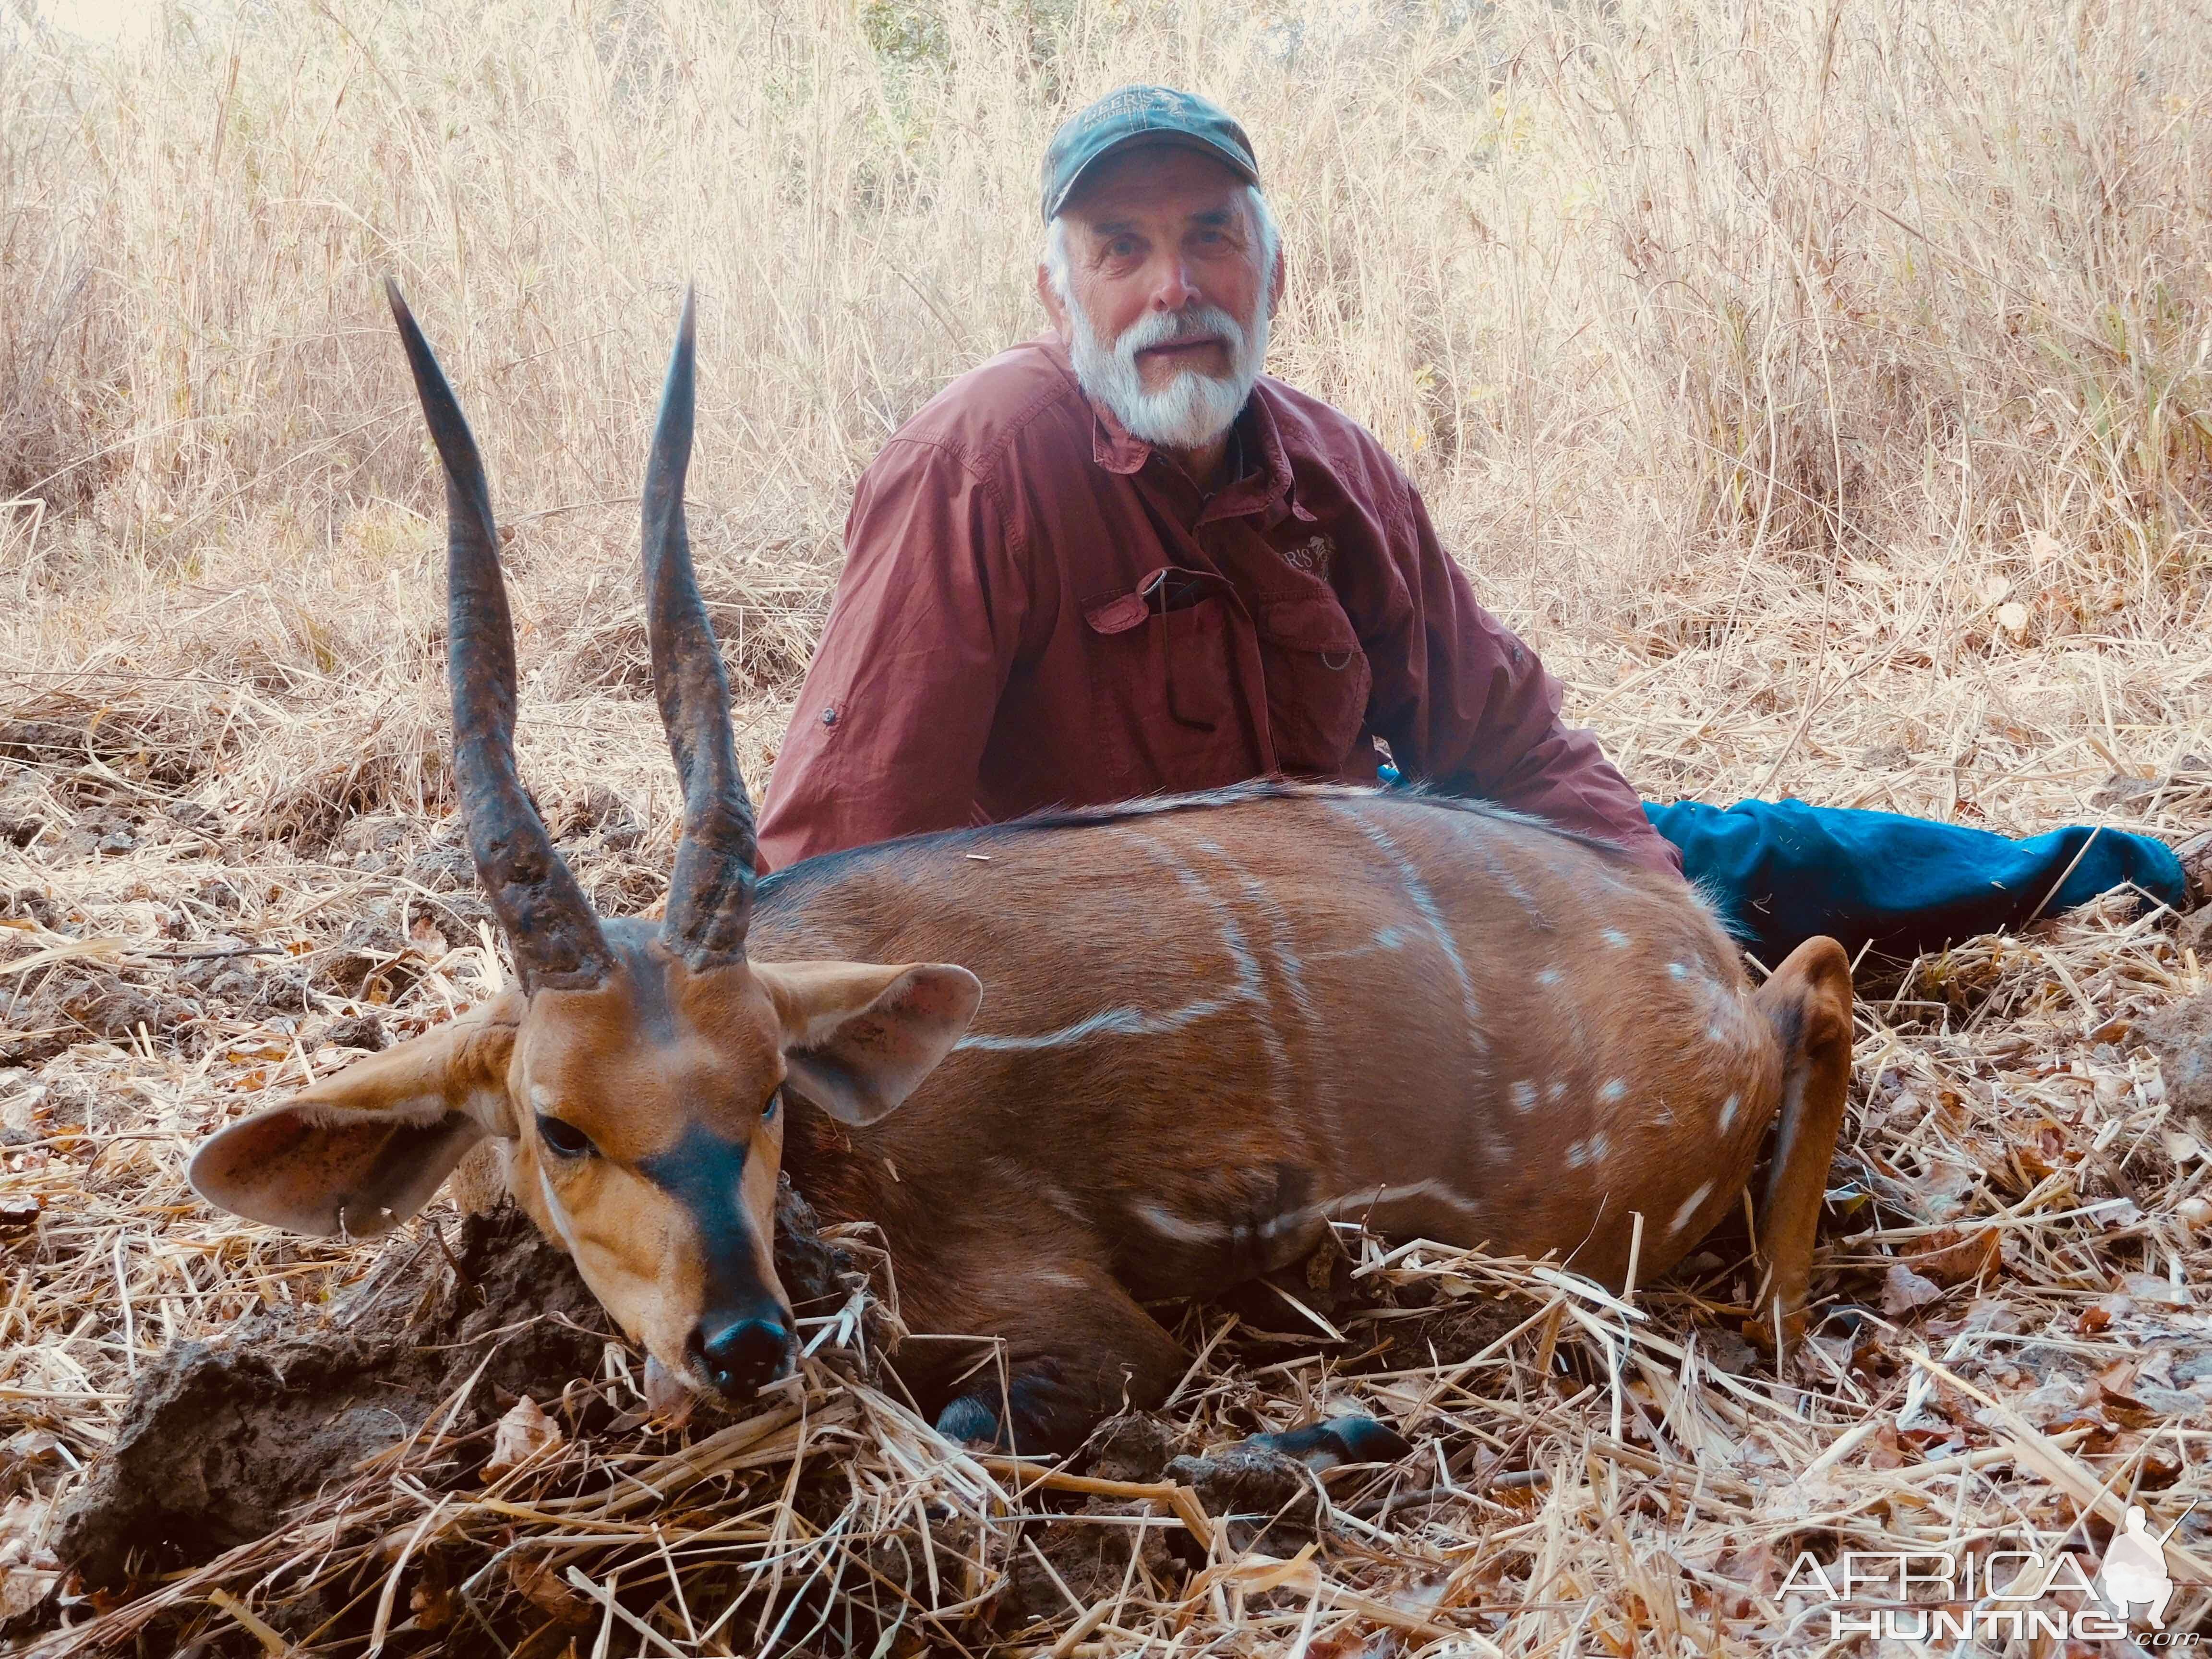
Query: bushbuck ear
(857, 1039)
(365, 1148)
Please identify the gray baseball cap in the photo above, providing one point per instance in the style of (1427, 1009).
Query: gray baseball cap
(1142, 115)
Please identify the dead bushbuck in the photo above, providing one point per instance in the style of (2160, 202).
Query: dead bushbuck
(1133, 1053)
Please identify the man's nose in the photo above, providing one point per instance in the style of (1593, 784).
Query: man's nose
(740, 1356)
(1174, 289)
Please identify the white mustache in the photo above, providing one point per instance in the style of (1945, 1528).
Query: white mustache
(1159, 328)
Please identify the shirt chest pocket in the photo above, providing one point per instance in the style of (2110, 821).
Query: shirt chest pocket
(1165, 711)
(1318, 682)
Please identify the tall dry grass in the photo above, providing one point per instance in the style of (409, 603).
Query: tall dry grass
(1759, 354)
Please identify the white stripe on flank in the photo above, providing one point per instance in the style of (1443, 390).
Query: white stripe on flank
(1182, 1228)
(1281, 930)
(1365, 1197)
(1425, 902)
(1107, 1022)
(1690, 1206)
(1728, 1113)
(1252, 985)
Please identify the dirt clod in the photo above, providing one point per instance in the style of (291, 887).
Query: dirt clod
(1134, 1446)
(1267, 1500)
(2180, 1035)
(221, 1438)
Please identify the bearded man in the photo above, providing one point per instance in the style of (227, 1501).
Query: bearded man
(1119, 561)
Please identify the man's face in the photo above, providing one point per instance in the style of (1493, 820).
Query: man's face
(1162, 229)
(1167, 294)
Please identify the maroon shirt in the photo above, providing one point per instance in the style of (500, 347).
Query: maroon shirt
(1037, 610)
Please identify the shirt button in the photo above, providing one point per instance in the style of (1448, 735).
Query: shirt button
(830, 717)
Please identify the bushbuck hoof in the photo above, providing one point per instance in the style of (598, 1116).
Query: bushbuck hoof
(1337, 1440)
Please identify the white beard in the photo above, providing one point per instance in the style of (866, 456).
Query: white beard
(1191, 409)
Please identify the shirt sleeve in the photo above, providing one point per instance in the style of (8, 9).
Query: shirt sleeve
(889, 734)
(1465, 704)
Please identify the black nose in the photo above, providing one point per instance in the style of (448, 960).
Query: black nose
(743, 1355)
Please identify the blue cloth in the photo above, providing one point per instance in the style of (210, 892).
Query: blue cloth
(1783, 871)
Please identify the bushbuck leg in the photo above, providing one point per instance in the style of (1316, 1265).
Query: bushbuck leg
(1078, 1348)
(1808, 1002)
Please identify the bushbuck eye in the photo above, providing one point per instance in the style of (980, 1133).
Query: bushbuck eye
(775, 1101)
(565, 1138)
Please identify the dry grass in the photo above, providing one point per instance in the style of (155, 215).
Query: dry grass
(1824, 389)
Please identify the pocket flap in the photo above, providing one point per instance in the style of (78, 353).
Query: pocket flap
(1117, 615)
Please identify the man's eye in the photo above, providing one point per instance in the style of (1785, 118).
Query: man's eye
(565, 1139)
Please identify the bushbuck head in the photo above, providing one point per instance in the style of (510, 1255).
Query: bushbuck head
(637, 1075)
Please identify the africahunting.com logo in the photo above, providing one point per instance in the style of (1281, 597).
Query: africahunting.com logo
(1995, 1595)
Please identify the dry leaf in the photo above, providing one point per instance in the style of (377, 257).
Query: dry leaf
(523, 1433)
(543, 1589)
(2012, 618)
(1958, 1259)
(1904, 1290)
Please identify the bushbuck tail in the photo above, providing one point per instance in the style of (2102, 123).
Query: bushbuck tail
(1066, 1064)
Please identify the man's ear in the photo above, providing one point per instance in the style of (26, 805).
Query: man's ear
(1275, 280)
(1049, 297)
(365, 1148)
(858, 1039)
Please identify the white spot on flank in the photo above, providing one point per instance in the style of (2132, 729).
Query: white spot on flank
(1615, 937)
(1599, 1146)
(1690, 1206)
(1715, 1033)
(1678, 969)
(1614, 1091)
(1549, 976)
(1578, 1155)
(1524, 1096)
(1556, 1089)
(1728, 1113)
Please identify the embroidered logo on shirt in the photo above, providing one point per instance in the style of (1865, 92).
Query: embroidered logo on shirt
(1311, 555)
